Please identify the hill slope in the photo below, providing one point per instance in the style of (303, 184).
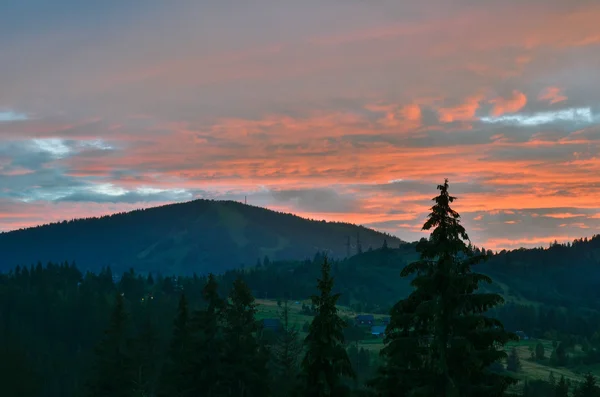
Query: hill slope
(561, 277)
(197, 236)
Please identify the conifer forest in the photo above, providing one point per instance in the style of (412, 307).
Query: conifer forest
(317, 327)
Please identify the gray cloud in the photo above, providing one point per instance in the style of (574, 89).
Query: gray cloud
(129, 197)
(543, 223)
(552, 154)
(44, 184)
(316, 200)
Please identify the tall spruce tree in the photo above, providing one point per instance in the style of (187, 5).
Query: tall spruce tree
(17, 378)
(439, 341)
(175, 376)
(285, 356)
(146, 357)
(561, 357)
(588, 388)
(206, 366)
(513, 362)
(539, 351)
(326, 362)
(403, 370)
(114, 373)
(562, 388)
(245, 359)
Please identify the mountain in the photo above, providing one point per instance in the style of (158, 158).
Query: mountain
(197, 236)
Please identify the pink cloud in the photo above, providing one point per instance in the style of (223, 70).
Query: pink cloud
(516, 102)
(236, 104)
(566, 215)
(411, 113)
(408, 116)
(463, 112)
(507, 243)
(552, 95)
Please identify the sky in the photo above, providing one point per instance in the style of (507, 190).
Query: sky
(343, 110)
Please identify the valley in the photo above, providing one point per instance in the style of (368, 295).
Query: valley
(531, 369)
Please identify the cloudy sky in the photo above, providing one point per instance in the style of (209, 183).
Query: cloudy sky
(347, 110)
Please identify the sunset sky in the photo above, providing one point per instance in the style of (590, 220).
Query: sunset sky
(348, 110)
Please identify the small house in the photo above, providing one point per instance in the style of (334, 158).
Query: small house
(378, 330)
(364, 319)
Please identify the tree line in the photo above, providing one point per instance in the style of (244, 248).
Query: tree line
(442, 339)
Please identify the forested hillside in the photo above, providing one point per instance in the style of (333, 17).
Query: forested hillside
(561, 274)
(54, 315)
(199, 236)
(68, 332)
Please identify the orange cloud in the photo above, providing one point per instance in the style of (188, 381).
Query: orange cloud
(566, 215)
(411, 113)
(294, 151)
(552, 95)
(463, 112)
(580, 225)
(509, 105)
(408, 116)
(506, 243)
(252, 110)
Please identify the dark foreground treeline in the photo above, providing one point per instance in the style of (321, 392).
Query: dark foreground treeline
(66, 335)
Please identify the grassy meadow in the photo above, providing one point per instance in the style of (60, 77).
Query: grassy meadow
(531, 370)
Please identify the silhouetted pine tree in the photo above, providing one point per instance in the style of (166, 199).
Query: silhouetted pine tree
(536, 388)
(513, 363)
(439, 341)
(588, 388)
(174, 379)
(539, 351)
(285, 356)
(244, 358)
(147, 355)
(406, 341)
(326, 361)
(206, 366)
(113, 373)
(562, 358)
(17, 377)
(562, 388)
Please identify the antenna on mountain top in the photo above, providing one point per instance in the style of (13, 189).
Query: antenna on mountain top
(246, 200)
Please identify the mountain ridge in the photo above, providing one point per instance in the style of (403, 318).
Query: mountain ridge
(195, 236)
